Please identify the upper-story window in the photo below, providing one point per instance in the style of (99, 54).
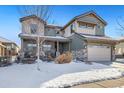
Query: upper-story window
(57, 33)
(86, 25)
(90, 26)
(33, 28)
(98, 26)
(72, 28)
(82, 25)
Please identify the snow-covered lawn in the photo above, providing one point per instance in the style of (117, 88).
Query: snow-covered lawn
(54, 75)
(68, 80)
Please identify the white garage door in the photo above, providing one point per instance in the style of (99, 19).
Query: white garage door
(99, 53)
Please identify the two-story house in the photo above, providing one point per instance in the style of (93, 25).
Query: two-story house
(8, 48)
(84, 35)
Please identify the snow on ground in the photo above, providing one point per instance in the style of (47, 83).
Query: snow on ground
(120, 59)
(68, 80)
(27, 75)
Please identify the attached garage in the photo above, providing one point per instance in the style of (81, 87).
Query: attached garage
(99, 53)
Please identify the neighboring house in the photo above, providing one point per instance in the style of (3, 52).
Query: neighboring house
(8, 48)
(84, 35)
(2, 49)
(119, 51)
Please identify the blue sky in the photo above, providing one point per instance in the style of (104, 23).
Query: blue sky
(10, 26)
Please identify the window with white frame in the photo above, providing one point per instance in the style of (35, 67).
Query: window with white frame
(31, 46)
(86, 25)
(47, 47)
(82, 25)
(72, 28)
(89, 26)
(33, 28)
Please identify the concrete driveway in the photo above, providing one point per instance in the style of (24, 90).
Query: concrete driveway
(116, 64)
(109, 63)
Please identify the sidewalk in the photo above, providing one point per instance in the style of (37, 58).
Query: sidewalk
(103, 84)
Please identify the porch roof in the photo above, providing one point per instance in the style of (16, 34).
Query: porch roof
(102, 39)
(51, 38)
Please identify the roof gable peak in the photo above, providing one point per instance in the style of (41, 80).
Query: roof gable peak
(93, 13)
(31, 16)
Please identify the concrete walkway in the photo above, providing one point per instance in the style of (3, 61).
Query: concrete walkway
(103, 84)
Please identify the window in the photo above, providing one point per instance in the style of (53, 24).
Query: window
(13, 46)
(86, 25)
(33, 28)
(47, 47)
(57, 32)
(72, 28)
(98, 26)
(32, 45)
(98, 46)
(82, 25)
(8, 47)
(89, 26)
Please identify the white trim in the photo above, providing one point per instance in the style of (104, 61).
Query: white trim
(46, 37)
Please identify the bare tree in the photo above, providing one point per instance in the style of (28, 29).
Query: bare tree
(120, 22)
(43, 12)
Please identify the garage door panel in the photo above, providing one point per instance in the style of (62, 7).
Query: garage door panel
(99, 53)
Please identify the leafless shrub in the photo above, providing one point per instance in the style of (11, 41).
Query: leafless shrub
(64, 58)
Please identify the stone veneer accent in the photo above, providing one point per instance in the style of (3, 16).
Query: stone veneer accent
(80, 54)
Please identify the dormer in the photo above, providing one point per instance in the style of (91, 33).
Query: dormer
(32, 25)
(88, 23)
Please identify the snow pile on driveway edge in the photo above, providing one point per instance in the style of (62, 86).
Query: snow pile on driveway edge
(68, 80)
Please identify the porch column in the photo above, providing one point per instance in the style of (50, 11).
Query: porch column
(69, 47)
(57, 52)
(112, 53)
(38, 49)
(3, 51)
(22, 48)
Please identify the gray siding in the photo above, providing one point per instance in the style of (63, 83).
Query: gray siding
(66, 46)
(77, 42)
(98, 30)
(50, 32)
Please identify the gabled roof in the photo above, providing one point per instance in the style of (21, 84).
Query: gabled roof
(121, 39)
(4, 40)
(84, 14)
(31, 16)
(94, 13)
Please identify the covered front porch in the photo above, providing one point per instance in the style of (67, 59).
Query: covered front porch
(48, 46)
